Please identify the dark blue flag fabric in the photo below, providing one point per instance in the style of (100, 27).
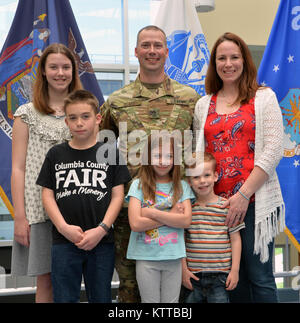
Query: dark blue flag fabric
(37, 23)
(280, 69)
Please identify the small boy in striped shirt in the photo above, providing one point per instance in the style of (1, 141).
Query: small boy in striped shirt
(213, 251)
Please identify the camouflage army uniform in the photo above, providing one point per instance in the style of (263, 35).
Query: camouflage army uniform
(144, 107)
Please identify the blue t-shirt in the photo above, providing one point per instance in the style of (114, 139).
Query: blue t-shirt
(163, 243)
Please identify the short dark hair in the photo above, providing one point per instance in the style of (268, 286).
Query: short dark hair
(151, 27)
(82, 96)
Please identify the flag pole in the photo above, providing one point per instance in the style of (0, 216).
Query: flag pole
(125, 41)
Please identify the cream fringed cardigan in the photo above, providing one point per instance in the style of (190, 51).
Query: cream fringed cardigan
(267, 154)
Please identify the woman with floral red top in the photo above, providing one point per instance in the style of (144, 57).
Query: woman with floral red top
(240, 123)
(231, 139)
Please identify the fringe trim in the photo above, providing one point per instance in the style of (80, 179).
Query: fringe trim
(266, 230)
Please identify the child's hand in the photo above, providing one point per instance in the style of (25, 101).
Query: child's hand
(232, 280)
(72, 232)
(186, 279)
(91, 238)
(177, 208)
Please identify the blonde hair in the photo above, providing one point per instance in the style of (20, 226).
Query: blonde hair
(146, 172)
(203, 157)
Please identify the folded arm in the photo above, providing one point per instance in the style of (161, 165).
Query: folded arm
(173, 219)
(137, 221)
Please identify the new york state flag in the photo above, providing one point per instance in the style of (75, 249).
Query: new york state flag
(37, 23)
(280, 69)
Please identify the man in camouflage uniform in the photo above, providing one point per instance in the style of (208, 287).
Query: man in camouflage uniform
(152, 102)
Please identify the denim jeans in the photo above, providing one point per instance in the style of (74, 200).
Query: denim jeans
(210, 288)
(256, 279)
(70, 263)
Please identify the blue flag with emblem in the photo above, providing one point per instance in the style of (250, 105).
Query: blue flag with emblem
(280, 69)
(37, 23)
(188, 52)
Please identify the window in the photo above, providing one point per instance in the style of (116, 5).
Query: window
(100, 25)
(138, 17)
(6, 223)
(109, 82)
(279, 265)
(7, 12)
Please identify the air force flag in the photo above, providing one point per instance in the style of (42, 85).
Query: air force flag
(280, 69)
(188, 53)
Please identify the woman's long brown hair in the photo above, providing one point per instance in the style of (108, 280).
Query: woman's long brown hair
(248, 83)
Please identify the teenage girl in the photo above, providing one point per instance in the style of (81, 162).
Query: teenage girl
(38, 125)
(159, 208)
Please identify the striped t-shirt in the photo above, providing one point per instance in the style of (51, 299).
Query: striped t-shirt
(208, 246)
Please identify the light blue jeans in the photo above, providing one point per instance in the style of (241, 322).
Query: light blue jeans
(159, 281)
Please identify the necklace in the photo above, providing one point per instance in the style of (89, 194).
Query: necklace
(58, 109)
(58, 112)
(230, 103)
(57, 116)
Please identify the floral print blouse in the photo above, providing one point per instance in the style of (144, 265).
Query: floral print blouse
(231, 139)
